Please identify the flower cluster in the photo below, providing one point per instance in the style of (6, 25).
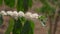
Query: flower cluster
(20, 14)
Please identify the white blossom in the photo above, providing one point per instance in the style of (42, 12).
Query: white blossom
(3, 13)
(9, 13)
(28, 15)
(20, 14)
(35, 15)
(15, 14)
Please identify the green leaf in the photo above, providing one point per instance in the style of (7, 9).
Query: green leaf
(28, 27)
(30, 2)
(18, 26)
(10, 3)
(1, 20)
(23, 5)
(1, 2)
(10, 27)
(20, 5)
(27, 4)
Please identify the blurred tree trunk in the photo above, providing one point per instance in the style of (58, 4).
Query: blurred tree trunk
(50, 26)
(56, 20)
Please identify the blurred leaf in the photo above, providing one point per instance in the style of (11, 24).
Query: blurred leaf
(53, 1)
(30, 2)
(10, 3)
(18, 26)
(1, 2)
(23, 5)
(44, 1)
(48, 10)
(43, 20)
(1, 20)
(10, 27)
(20, 5)
(27, 4)
(28, 27)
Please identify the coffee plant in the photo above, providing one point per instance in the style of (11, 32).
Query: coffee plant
(21, 22)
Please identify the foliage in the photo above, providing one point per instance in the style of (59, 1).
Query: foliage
(10, 3)
(53, 1)
(1, 20)
(43, 20)
(28, 27)
(17, 26)
(0, 2)
(20, 5)
(43, 1)
(27, 4)
(10, 27)
(23, 5)
(48, 10)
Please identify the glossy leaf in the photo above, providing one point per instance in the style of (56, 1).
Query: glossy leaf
(20, 5)
(18, 26)
(27, 4)
(28, 27)
(10, 3)
(10, 27)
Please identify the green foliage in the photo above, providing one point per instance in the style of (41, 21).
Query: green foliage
(0, 2)
(28, 27)
(47, 9)
(27, 4)
(44, 2)
(1, 20)
(17, 26)
(30, 2)
(20, 5)
(53, 1)
(10, 3)
(23, 5)
(10, 27)
(43, 20)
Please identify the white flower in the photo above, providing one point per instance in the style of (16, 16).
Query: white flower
(20, 14)
(3, 13)
(15, 14)
(35, 15)
(9, 13)
(28, 15)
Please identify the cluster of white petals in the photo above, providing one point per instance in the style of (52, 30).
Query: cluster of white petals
(3, 13)
(28, 15)
(16, 14)
(20, 14)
